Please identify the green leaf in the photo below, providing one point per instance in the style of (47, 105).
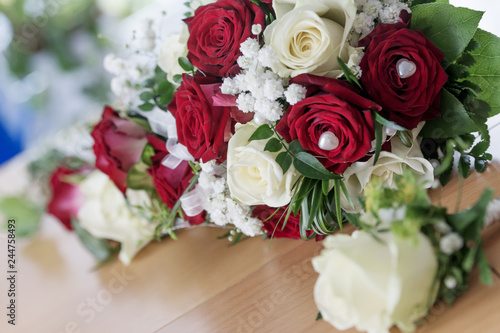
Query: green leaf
(349, 76)
(273, 145)
(464, 166)
(485, 275)
(319, 316)
(480, 148)
(473, 45)
(470, 258)
(387, 123)
(445, 175)
(177, 78)
(147, 153)
(463, 220)
(338, 208)
(98, 247)
(138, 178)
(316, 200)
(146, 107)
(466, 60)
(186, 64)
(453, 120)
(146, 96)
(25, 212)
(447, 160)
(378, 141)
(486, 71)
(139, 120)
(325, 185)
(284, 160)
(347, 194)
(304, 218)
(449, 28)
(406, 138)
(456, 72)
(261, 133)
(310, 167)
(166, 91)
(295, 147)
(480, 165)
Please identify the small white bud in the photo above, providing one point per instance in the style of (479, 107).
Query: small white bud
(256, 29)
(450, 282)
(451, 243)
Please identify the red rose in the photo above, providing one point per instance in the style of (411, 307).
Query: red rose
(292, 226)
(409, 99)
(118, 144)
(170, 184)
(201, 126)
(216, 32)
(330, 106)
(66, 197)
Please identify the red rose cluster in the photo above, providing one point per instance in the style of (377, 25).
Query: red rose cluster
(401, 74)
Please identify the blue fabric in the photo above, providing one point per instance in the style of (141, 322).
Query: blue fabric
(10, 146)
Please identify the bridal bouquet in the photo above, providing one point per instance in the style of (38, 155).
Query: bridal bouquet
(289, 118)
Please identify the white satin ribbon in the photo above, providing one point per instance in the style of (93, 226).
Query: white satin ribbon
(192, 202)
(163, 123)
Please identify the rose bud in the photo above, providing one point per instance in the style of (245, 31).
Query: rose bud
(118, 144)
(66, 197)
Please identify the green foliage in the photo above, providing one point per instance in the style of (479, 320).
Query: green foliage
(186, 64)
(447, 27)
(138, 177)
(407, 190)
(166, 220)
(378, 141)
(349, 76)
(138, 120)
(25, 212)
(98, 247)
(263, 132)
(310, 167)
(284, 160)
(458, 265)
(269, 13)
(486, 70)
(273, 145)
(159, 91)
(454, 119)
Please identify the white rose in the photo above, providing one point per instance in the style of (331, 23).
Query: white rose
(373, 285)
(359, 174)
(253, 176)
(173, 47)
(105, 214)
(308, 37)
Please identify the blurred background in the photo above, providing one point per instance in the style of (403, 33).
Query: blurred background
(51, 62)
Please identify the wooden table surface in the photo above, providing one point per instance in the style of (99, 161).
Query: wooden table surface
(199, 284)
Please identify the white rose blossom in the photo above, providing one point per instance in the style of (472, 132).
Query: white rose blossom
(253, 175)
(389, 164)
(309, 36)
(372, 284)
(173, 47)
(105, 214)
